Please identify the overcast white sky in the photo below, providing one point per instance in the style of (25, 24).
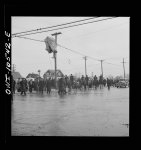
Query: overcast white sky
(107, 39)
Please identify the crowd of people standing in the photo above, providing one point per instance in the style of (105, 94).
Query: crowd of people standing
(64, 84)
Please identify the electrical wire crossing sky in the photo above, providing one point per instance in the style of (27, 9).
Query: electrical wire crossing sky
(98, 38)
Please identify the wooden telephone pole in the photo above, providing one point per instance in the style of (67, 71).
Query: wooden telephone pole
(85, 58)
(123, 67)
(55, 55)
(101, 67)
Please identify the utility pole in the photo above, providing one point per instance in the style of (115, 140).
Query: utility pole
(85, 58)
(39, 72)
(13, 67)
(123, 68)
(101, 67)
(55, 55)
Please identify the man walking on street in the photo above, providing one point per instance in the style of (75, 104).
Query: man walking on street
(48, 85)
(108, 84)
(30, 85)
(41, 85)
(23, 85)
(86, 79)
(71, 80)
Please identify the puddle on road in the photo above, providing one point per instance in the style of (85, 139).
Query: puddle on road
(83, 113)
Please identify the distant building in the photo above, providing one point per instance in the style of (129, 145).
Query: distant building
(16, 75)
(32, 75)
(51, 73)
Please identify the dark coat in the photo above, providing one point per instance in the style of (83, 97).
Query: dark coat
(108, 82)
(86, 79)
(41, 85)
(71, 79)
(48, 84)
(61, 84)
(30, 83)
(23, 85)
(13, 84)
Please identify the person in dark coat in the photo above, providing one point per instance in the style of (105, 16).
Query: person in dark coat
(33, 85)
(64, 86)
(30, 85)
(66, 80)
(14, 84)
(23, 85)
(36, 85)
(90, 83)
(85, 84)
(100, 81)
(71, 80)
(48, 85)
(96, 82)
(87, 79)
(80, 84)
(18, 85)
(53, 83)
(69, 85)
(61, 86)
(108, 83)
(104, 82)
(41, 85)
(82, 80)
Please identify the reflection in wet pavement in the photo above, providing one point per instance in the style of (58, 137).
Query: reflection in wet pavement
(90, 113)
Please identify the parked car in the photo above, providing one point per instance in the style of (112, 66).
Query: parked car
(122, 83)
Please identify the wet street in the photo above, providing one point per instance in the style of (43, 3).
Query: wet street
(100, 112)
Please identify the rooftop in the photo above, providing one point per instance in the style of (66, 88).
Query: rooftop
(16, 75)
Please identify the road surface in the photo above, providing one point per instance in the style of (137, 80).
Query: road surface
(100, 112)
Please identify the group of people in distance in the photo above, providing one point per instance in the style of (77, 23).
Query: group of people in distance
(65, 82)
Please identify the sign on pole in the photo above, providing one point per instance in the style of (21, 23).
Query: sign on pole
(50, 44)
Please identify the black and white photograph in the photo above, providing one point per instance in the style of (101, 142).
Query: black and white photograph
(70, 76)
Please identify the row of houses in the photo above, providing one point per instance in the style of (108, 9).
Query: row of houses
(47, 74)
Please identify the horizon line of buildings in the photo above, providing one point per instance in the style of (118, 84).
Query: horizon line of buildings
(51, 73)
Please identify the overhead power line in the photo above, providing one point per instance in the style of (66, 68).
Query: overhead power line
(77, 52)
(58, 45)
(116, 58)
(94, 58)
(112, 64)
(53, 26)
(67, 26)
(31, 39)
(93, 64)
(97, 31)
(69, 50)
(62, 47)
(72, 51)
